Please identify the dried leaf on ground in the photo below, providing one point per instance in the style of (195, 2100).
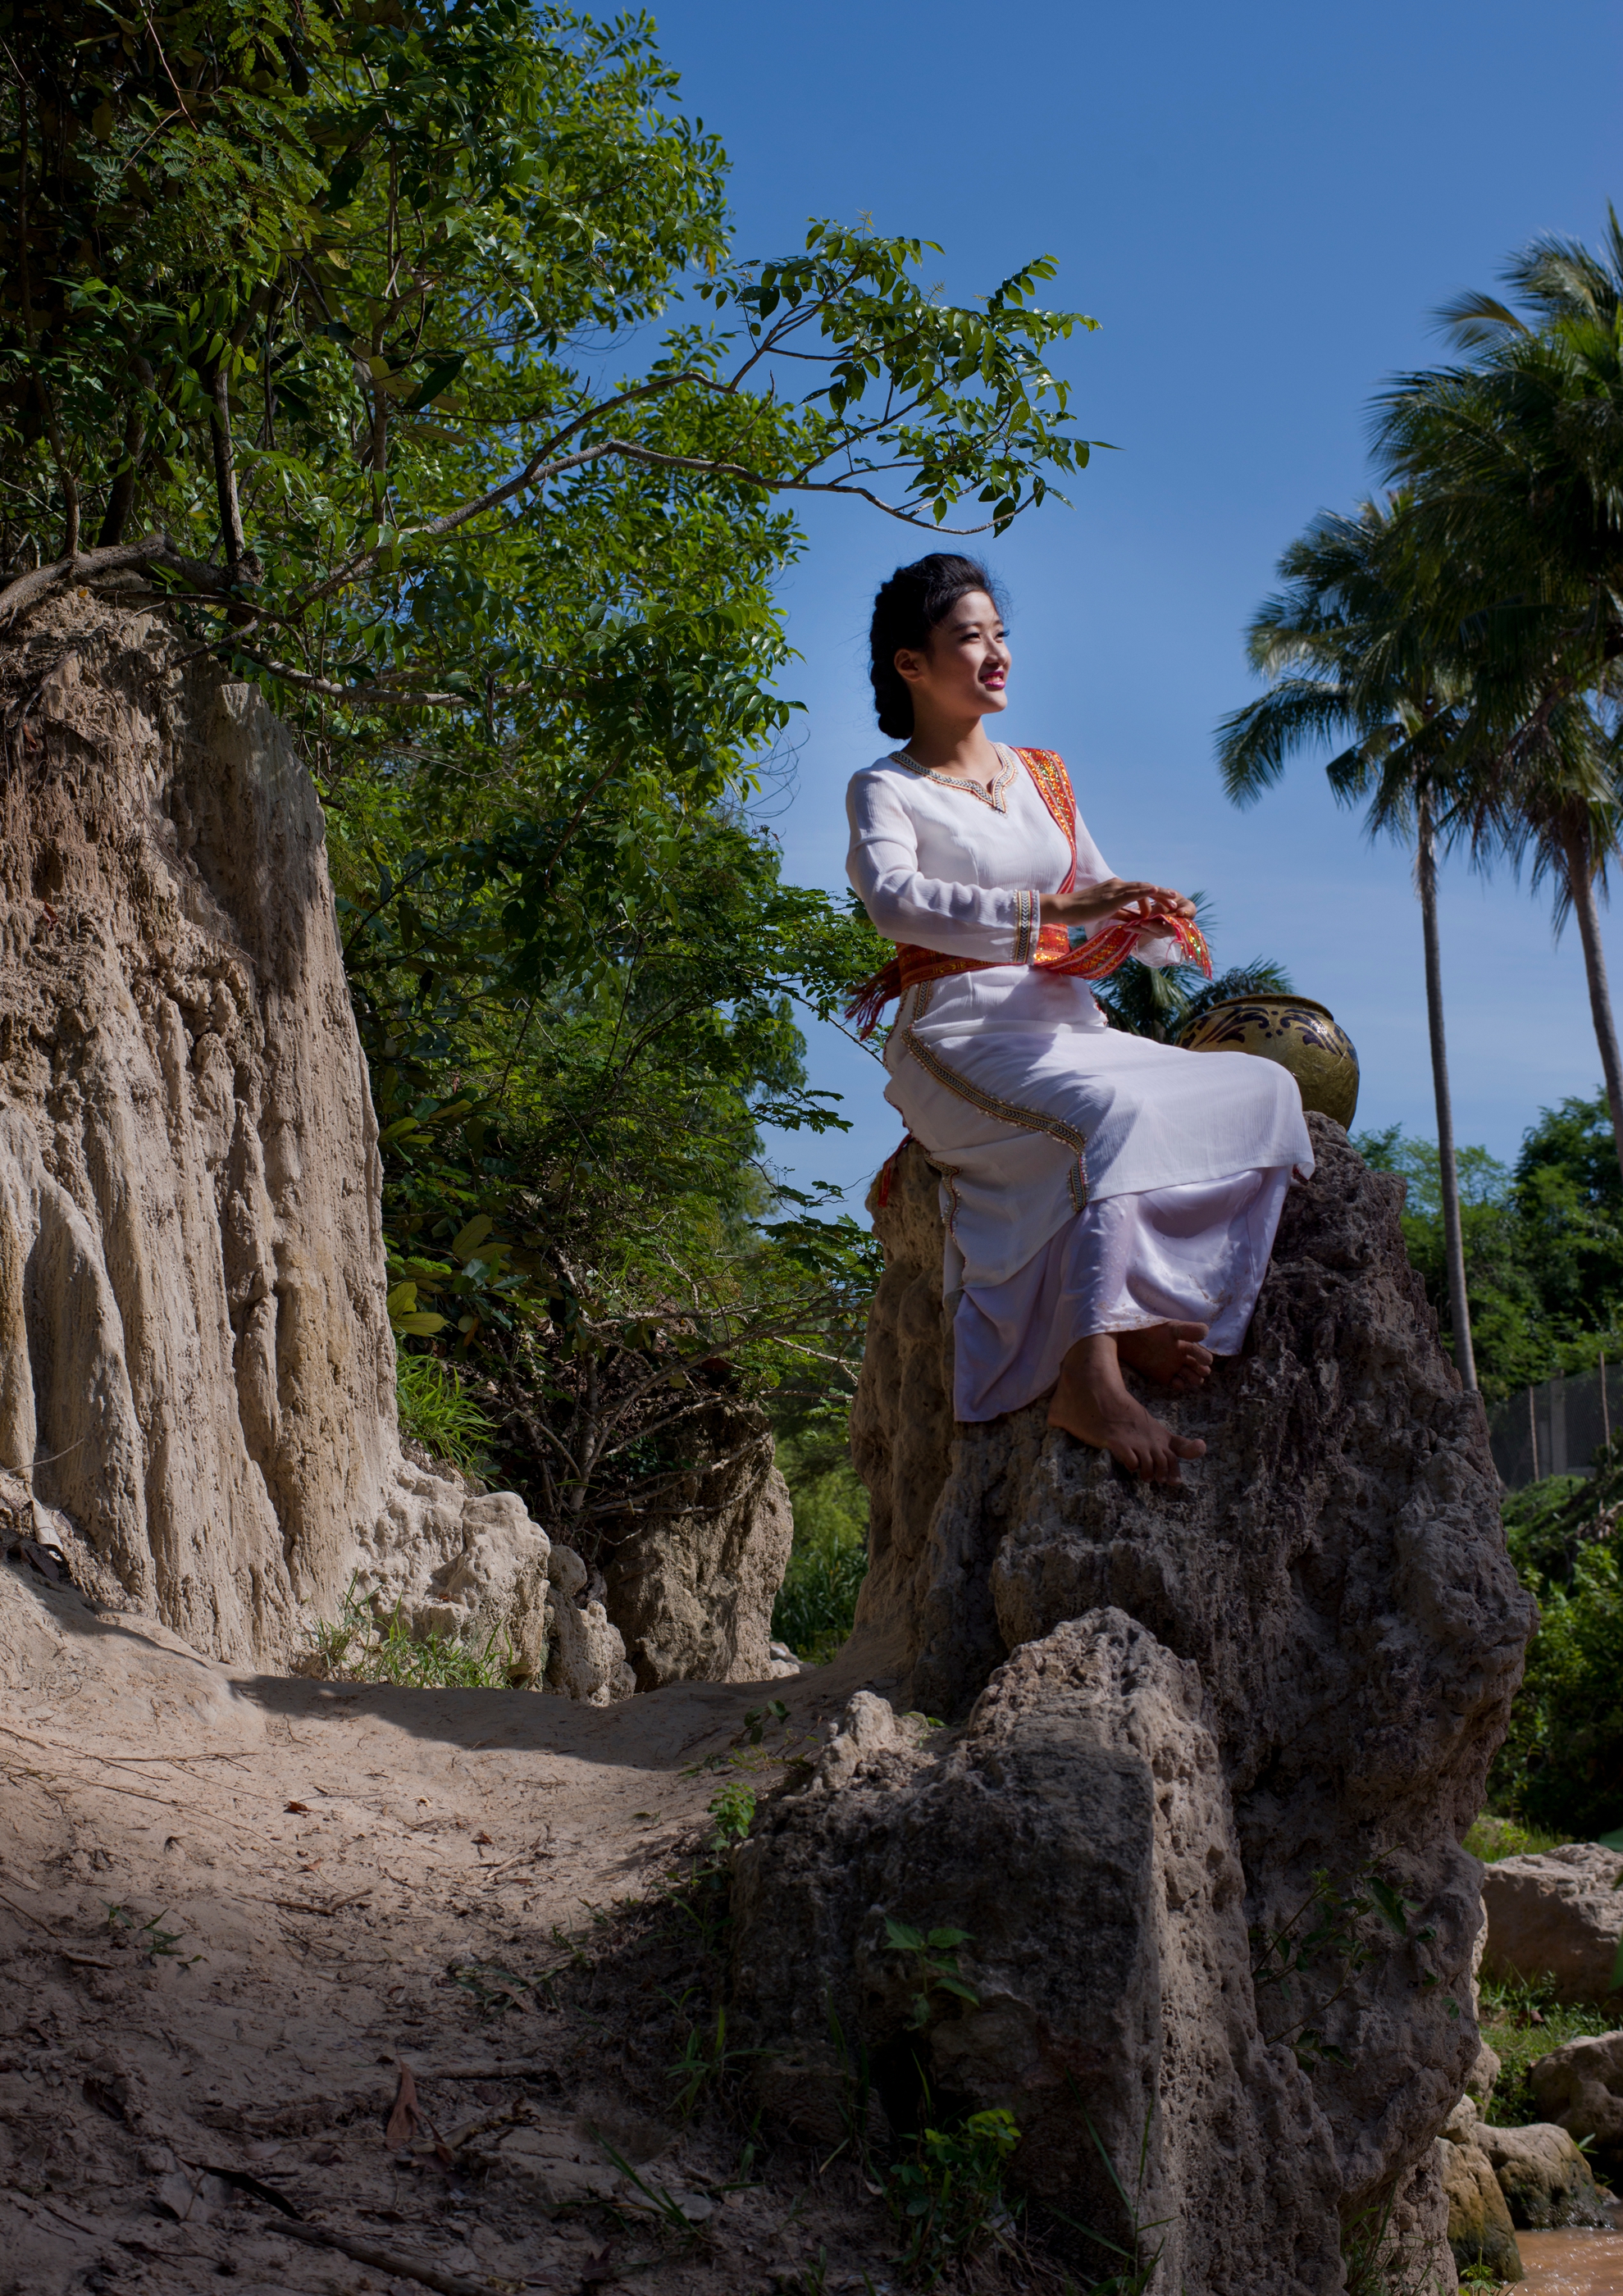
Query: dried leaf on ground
(403, 2113)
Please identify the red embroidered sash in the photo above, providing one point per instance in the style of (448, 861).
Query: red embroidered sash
(1098, 955)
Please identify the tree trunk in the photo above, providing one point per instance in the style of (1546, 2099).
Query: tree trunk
(233, 546)
(1453, 1242)
(121, 493)
(1580, 886)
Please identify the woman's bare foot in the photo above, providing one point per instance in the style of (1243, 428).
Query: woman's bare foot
(1170, 1353)
(1092, 1403)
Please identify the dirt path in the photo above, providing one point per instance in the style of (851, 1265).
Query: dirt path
(233, 1906)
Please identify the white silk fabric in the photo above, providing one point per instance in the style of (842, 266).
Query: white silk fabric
(1195, 1254)
(1029, 1105)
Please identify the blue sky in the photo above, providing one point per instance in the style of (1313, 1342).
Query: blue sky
(1262, 206)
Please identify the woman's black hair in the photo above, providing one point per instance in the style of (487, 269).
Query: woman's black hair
(905, 611)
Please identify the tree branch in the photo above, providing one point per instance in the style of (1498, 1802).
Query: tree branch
(27, 591)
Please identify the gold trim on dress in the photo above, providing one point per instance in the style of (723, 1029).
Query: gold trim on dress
(949, 1174)
(1027, 926)
(1025, 1120)
(992, 797)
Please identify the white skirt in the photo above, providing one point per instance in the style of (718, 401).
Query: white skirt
(1191, 1253)
(1030, 1107)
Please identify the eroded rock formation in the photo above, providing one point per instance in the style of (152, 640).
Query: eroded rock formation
(195, 1361)
(693, 1594)
(1480, 2230)
(1200, 1723)
(1581, 2086)
(1557, 1913)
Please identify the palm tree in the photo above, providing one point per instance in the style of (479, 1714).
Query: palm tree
(1516, 464)
(1352, 648)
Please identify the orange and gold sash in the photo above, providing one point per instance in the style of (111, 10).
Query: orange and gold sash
(1098, 955)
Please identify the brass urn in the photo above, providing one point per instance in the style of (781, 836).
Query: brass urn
(1301, 1035)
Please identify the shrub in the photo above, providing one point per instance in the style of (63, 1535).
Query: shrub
(949, 2197)
(818, 1601)
(1560, 1768)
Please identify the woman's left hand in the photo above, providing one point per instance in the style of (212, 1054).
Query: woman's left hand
(1161, 902)
(1115, 897)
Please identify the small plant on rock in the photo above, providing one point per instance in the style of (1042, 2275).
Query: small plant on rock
(359, 1647)
(733, 1812)
(1136, 2262)
(932, 1956)
(948, 2194)
(1327, 1928)
(435, 1409)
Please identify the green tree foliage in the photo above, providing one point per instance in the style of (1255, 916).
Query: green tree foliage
(1562, 1766)
(1542, 1242)
(402, 350)
(816, 1605)
(332, 289)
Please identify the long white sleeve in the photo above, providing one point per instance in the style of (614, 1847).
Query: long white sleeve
(942, 868)
(997, 923)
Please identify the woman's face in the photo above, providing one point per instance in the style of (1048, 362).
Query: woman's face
(964, 673)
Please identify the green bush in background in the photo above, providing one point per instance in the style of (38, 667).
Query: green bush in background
(818, 1601)
(1560, 1768)
(1544, 1241)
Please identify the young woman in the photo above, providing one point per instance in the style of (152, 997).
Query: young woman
(1109, 1200)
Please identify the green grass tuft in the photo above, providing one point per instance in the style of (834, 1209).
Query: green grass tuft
(435, 1409)
(1523, 2023)
(1491, 1837)
(361, 1647)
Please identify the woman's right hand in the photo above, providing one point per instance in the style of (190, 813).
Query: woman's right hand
(1091, 905)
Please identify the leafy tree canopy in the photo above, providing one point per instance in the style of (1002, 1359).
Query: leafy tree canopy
(405, 352)
(1544, 1241)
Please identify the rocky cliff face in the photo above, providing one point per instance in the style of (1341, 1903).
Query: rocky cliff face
(196, 1365)
(195, 1345)
(1201, 1725)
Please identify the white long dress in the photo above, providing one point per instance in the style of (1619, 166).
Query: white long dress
(1092, 1180)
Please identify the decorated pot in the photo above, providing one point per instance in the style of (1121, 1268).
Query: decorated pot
(1298, 1034)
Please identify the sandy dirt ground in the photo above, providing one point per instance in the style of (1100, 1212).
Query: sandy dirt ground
(235, 1905)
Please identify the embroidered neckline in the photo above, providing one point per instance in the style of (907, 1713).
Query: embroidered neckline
(992, 797)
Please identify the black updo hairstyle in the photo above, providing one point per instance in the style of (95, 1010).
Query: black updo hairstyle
(907, 609)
